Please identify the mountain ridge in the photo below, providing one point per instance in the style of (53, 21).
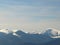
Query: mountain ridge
(18, 37)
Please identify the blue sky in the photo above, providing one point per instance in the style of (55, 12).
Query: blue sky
(30, 15)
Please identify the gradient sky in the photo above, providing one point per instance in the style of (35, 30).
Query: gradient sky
(30, 15)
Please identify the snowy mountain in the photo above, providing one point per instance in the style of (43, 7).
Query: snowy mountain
(18, 37)
(4, 31)
(53, 33)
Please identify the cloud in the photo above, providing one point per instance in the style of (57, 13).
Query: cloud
(31, 14)
(29, 10)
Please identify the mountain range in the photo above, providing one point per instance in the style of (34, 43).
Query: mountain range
(18, 37)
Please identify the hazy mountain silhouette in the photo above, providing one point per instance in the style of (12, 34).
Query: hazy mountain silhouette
(22, 38)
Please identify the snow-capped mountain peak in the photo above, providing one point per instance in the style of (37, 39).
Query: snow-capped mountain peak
(4, 31)
(54, 33)
(51, 32)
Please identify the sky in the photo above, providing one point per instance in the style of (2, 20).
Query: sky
(30, 15)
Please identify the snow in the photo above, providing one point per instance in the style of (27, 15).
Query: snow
(4, 31)
(53, 33)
